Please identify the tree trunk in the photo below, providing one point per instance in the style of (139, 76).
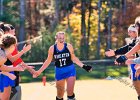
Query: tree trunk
(89, 9)
(57, 10)
(83, 30)
(33, 17)
(109, 26)
(22, 23)
(124, 8)
(98, 42)
(1, 8)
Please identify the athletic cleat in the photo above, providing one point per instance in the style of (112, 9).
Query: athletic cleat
(71, 99)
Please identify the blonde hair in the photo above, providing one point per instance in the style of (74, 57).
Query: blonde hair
(60, 32)
(57, 34)
(132, 28)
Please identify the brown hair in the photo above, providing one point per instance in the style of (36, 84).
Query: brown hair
(10, 26)
(5, 27)
(7, 40)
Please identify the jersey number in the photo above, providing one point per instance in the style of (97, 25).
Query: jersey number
(62, 62)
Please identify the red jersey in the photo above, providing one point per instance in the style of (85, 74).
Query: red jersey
(19, 60)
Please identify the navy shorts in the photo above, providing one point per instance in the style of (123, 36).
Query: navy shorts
(7, 81)
(133, 72)
(64, 72)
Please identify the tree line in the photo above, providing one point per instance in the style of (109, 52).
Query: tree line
(92, 26)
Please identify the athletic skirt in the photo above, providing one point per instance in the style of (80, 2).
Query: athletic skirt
(7, 81)
(133, 72)
(64, 72)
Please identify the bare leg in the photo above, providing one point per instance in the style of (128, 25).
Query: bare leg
(137, 86)
(70, 85)
(60, 85)
(6, 93)
(0, 95)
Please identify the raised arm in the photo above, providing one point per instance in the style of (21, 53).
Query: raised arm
(133, 50)
(29, 68)
(19, 54)
(46, 63)
(120, 51)
(123, 58)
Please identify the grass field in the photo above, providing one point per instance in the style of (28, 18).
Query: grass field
(84, 90)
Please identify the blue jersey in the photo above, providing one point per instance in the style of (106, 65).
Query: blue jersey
(64, 65)
(62, 58)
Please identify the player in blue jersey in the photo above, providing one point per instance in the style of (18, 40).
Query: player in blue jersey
(123, 59)
(63, 54)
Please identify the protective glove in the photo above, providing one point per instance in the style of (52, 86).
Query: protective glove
(121, 59)
(87, 68)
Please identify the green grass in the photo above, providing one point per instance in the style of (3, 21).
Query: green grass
(99, 72)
